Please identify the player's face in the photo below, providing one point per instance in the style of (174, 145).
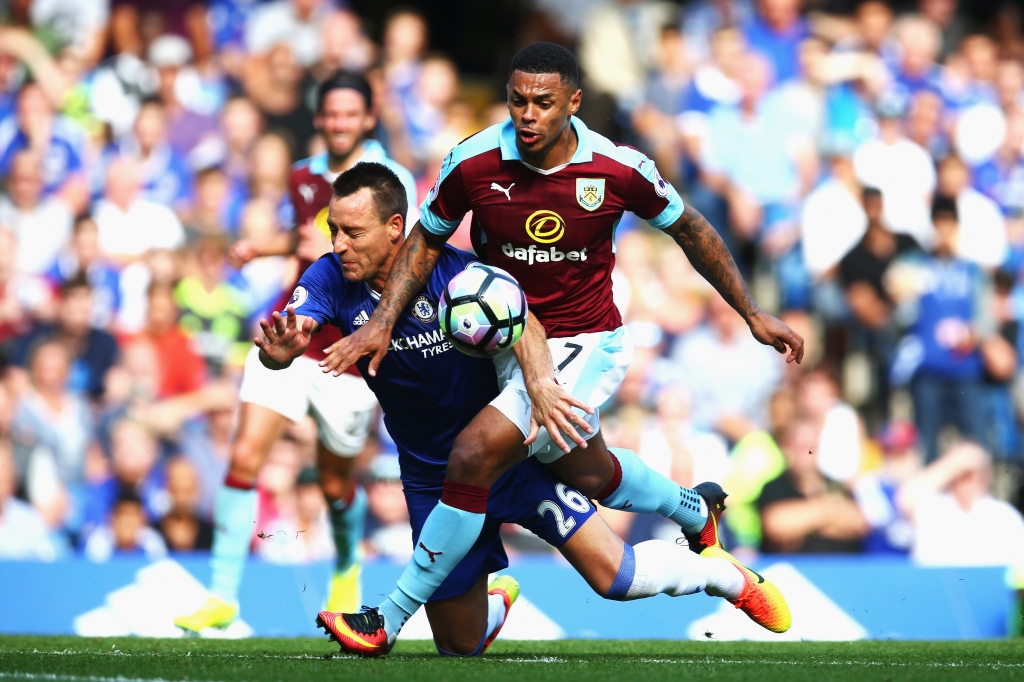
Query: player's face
(365, 245)
(540, 107)
(344, 121)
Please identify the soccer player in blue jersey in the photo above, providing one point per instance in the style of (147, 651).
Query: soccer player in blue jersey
(546, 195)
(429, 393)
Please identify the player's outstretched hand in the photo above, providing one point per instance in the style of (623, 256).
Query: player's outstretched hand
(371, 339)
(553, 409)
(771, 331)
(283, 339)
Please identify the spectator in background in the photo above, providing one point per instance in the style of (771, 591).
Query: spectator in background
(952, 496)
(241, 125)
(755, 156)
(212, 211)
(41, 224)
(34, 126)
(134, 470)
(862, 272)
(982, 236)
(280, 89)
(182, 529)
(703, 18)
(84, 260)
(129, 224)
(776, 31)
(1001, 178)
(166, 177)
(307, 535)
(802, 510)
(20, 295)
(267, 276)
(93, 351)
(941, 352)
(52, 430)
(23, 534)
(838, 451)
(877, 491)
(920, 45)
(214, 312)
(295, 23)
(874, 20)
(187, 127)
(729, 374)
(181, 370)
(387, 532)
(127, 533)
(902, 170)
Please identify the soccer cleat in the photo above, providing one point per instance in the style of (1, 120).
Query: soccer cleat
(362, 633)
(714, 498)
(760, 599)
(215, 613)
(508, 588)
(344, 594)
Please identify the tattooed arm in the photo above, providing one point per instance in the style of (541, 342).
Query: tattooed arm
(707, 252)
(410, 271)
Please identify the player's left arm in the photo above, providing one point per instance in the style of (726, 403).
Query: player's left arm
(707, 252)
(552, 404)
(285, 338)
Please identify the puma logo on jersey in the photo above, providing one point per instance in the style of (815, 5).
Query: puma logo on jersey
(307, 192)
(506, 192)
(361, 319)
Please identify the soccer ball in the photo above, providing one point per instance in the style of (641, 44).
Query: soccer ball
(483, 311)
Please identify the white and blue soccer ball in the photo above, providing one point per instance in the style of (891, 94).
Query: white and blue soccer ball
(483, 311)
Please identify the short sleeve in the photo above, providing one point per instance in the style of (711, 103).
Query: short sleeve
(446, 204)
(652, 198)
(318, 290)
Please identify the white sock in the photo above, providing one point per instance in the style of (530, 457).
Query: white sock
(495, 613)
(666, 568)
(724, 578)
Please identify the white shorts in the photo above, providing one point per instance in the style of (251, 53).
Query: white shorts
(343, 406)
(590, 366)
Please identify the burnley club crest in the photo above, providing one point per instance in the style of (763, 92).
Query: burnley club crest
(590, 193)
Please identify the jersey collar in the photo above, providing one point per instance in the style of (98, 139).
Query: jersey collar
(510, 152)
(373, 151)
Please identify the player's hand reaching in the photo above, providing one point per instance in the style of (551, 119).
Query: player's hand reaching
(284, 339)
(773, 332)
(372, 339)
(553, 409)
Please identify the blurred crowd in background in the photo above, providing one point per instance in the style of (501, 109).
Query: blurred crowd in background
(863, 161)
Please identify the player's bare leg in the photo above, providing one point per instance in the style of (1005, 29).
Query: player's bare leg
(346, 504)
(234, 514)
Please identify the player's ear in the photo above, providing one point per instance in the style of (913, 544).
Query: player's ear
(396, 227)
(574, 101)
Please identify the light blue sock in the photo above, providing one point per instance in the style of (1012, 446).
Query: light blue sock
(234, 513)
(645, 491)
(348, 523)
(447, 536)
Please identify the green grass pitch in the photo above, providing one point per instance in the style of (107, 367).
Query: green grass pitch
(73, 659)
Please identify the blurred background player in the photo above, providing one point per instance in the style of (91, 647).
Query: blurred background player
(343, 407)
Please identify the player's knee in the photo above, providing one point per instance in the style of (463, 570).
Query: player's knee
(469, 463)
(246, 459)
(457, 646)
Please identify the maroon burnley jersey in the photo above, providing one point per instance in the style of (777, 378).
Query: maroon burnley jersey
(310, 192)
(552, 230)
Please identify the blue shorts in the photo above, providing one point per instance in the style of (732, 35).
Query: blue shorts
(527, 495)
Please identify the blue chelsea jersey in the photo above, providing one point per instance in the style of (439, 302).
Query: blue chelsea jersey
(429, 391)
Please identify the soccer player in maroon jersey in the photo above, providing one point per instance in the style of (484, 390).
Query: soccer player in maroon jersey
(546, 194)
(343, 409)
